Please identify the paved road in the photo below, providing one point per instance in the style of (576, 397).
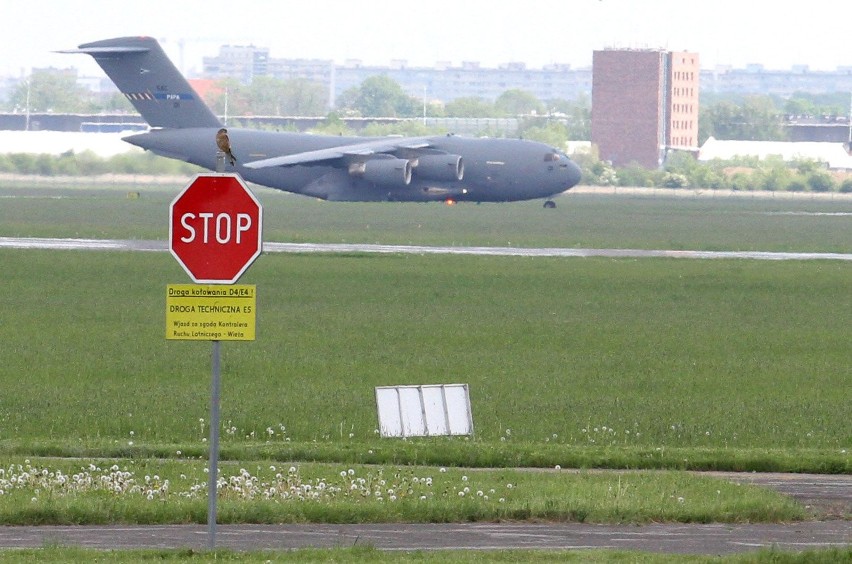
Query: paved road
(162, 246)
(676, 538)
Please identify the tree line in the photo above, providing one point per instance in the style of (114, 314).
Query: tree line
(735, 117)
(554, 122)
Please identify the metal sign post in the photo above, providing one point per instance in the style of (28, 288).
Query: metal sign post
(215, 234)
(213, 479)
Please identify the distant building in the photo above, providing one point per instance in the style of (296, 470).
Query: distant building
(243, 62)
(644, 103)
(443, 82)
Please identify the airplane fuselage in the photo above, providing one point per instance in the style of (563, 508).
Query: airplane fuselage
(495, 170)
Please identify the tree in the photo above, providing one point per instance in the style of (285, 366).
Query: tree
(51, 91)
(552, 132)
(470, 107)
(518, 102)
(295, 97)
(577, 115)
(381, 96)
(230, 97)
(755, 119)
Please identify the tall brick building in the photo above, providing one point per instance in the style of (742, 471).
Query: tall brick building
(644, 103)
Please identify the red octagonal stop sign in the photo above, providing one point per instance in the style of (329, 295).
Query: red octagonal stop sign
(215, 228)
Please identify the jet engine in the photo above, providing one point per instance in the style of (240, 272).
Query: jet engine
(440, 167)
(385, 172)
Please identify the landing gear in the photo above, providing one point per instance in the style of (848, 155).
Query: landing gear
(549, 204)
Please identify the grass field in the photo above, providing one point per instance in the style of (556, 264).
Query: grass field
(581, 220)
(653, 363)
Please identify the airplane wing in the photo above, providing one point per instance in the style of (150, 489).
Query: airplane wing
(372, 147)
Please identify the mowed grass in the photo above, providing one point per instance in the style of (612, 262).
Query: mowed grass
(69, 492)
(636, 363)
(581, 220)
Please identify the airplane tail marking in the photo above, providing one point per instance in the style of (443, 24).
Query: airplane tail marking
(144, 74)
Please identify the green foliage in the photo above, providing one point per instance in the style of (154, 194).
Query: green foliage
(88, 163)
(51, 91)
(755, 118)
(333, 125)
(636, 175)
(846, 186)
(517, 102)
(412, 127)
(554, 132)
(470, 107)
(675, 180)
(817, 104)
(52, 492)
(820, 181)
(380, 96)
(577, 115)
(269, 96)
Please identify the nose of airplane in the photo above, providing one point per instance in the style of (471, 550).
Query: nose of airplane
(573, 174)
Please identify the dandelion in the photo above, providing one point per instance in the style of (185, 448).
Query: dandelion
(558, 467)
(464, 478)
(442, 470)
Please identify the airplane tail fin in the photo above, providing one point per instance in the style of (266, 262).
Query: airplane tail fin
(144, 74)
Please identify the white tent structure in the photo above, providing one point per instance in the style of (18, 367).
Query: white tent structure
(833, 154)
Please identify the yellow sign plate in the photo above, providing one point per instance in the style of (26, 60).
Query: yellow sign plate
(199, 312)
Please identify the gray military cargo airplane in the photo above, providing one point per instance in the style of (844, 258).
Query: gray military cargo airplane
(414, 169)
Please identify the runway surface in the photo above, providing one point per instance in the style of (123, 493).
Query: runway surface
(162, 246)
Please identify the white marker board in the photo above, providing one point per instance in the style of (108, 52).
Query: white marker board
(424, 411)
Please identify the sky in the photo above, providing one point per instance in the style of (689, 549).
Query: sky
(734, 33)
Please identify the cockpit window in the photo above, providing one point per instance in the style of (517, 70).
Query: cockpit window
(550, 157)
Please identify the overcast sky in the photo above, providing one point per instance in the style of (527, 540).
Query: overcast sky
(723, 32)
